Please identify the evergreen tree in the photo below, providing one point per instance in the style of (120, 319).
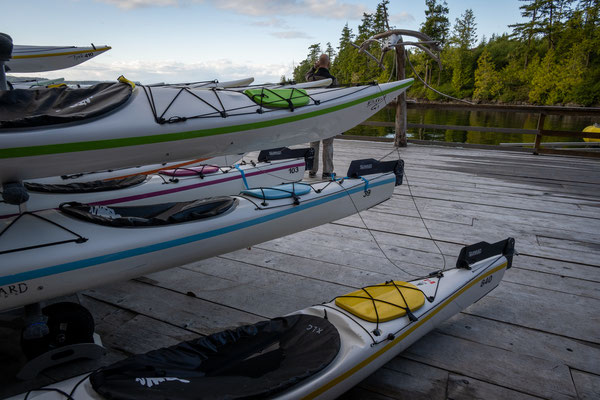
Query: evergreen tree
(330, 51)
(314, 51)
(436, 24)
(365, 29)
(462, 59)
(487, 79)
(381, 18)
(346, 38)
(465, 30)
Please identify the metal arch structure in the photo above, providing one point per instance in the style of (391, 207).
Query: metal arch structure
(392, 40)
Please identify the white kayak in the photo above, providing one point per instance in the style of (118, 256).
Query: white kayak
(51, 253)
(50, 58)
(120, 173)
(168, 185)
(316, 353)
(123, 127)
(215, 83)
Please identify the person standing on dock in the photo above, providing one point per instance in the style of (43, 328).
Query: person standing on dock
(321, 71)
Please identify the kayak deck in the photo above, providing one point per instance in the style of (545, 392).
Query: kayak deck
(297, 271)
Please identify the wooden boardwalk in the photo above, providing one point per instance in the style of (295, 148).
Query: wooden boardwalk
(536, 336)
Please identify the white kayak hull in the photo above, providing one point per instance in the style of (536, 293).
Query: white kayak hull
(119, 173)
(40, 269)
(50, 58)
(157, 188)
(130, 135)
(361, 351)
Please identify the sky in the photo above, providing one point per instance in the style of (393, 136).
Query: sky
(194, 40)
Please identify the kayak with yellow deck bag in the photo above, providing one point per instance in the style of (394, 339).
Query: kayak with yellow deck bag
(315, 353)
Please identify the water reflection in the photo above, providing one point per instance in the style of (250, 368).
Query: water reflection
(475, 118)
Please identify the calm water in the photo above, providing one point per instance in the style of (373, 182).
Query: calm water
(475, 118)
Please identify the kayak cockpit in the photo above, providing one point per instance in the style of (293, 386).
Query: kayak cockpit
(28, 108)
(86, 187)
(150, 215)
(252, 361)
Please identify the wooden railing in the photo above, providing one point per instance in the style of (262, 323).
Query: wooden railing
(539, 132)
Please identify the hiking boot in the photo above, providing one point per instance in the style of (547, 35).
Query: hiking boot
(330, 175)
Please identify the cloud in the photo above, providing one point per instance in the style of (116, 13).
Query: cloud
(291, 35)
(401, 17)
(314, 8)
(271, 22)
(131, 4)
(338, 9)
(171, 71)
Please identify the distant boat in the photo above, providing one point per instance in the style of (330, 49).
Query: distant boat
(50, 58)
(592, 128)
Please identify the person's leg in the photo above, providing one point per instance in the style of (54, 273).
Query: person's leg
(315, 167)
(327, 156)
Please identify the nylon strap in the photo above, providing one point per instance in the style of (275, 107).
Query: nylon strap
(237, 166)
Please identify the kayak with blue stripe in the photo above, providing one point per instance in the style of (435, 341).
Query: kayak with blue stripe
(80, 246)
(168, 185)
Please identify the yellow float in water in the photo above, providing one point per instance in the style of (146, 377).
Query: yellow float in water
(592, 128)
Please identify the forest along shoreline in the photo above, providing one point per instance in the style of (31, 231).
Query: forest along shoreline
(550, 57)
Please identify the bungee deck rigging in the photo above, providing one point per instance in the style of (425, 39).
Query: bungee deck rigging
(317, 352)
(267, 100)
(124, 242)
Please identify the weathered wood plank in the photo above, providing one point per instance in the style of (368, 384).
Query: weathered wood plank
(260, 291)
(554, 312)
(526, 374)
(456, 233)
(187, 312)
(467, 388)
(518, 339)
(587, 385)
(460, 212)
(405, 379)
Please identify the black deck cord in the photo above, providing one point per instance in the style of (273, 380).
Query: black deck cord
(247, 198)
(222, 112)
(353, 319)
(61, 392)
(377, 332)
(199, 173)
(410, 315)
(276, 175)
(294, 196)
(170, 104)
(68, 396)
(79, 239)
(150, 97)
(406, 308)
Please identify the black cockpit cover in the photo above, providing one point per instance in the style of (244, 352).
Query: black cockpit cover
(152, 214)
(250, 362)
(22, 108)
(86, 187)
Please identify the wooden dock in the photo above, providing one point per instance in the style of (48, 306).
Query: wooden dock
(536, 336)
